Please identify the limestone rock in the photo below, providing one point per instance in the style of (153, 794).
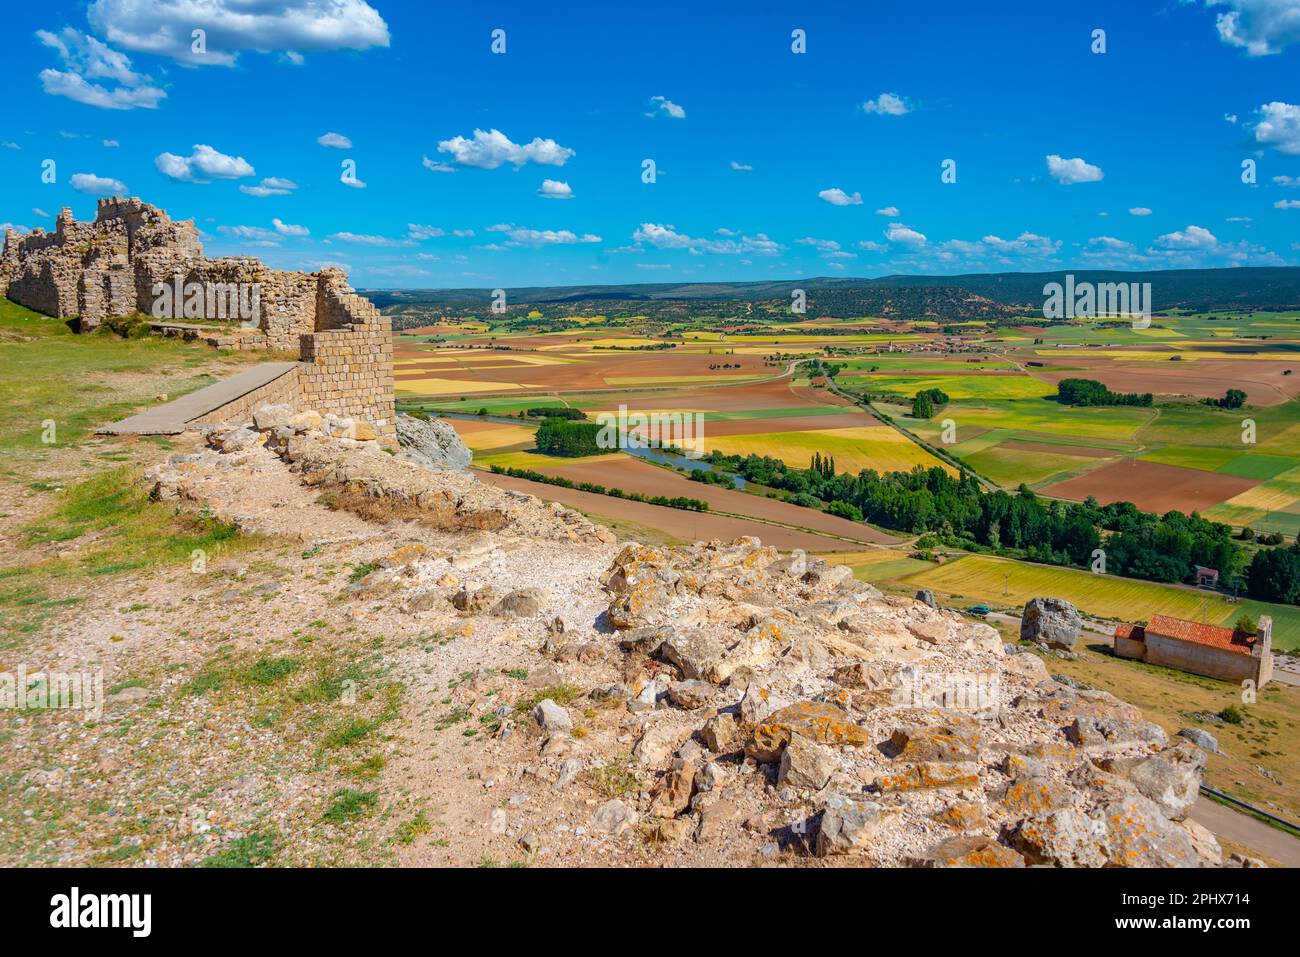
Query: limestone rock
(433, 444)
(1171, 778)
(1101, 733)
(1202, 739)
(552, 718)
(721, 735)
(267, 417)
(806, 765)
(848, 824)
(672, 794)
(690, 694)
(612, 818)
(1053, 621)
(814, 720)
(520, 603)
(926, 597)
(695, 653)
(970, 852)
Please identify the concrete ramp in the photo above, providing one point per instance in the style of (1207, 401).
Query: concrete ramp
(233, 397)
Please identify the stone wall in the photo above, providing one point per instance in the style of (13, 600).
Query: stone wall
(1203, 659)
(286, 389)
(119, 264)
(347, 364)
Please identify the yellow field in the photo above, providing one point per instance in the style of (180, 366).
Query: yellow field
(534, 460)
(498, 437)
(873, 557)
(983, 578)
(868, 447)
(440, 386)
(636, 380)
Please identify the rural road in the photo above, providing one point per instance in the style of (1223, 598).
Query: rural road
(1233, 826)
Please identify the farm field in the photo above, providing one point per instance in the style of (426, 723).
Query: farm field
(981, 578)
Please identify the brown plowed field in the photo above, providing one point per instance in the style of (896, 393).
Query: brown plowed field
(1261, 379)
(1152, 487)
(633, 475)
(680, 524)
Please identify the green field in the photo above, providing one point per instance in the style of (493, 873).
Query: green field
(1001, 581)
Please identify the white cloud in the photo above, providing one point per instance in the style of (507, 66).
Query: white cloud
(1260, 27)
(1139, 211)
(10, 145)
(822, 245)
(1067, 172)
(662, 106)
(87, 60)
(888, 211)
(1287, 181)
(898, 233)
(741, 167)
(417, 232)
(363, 239)
(887, 104)
(97, 185)
(334, 140)
(1027, 244)
(202, 166)
(252, 235)
(837, 197)
(1279, 127)
(524, 236)
(1287, 204)
(111, 144)
(555, 189)
(436, 166)
(870, 245)
(288, 229)
(271, 186)
(1230, 117)
(40, 212)
(164, 27)
(1193, 237)
(667, 237)
(463, 233)
(493, 148)
(1239, 219)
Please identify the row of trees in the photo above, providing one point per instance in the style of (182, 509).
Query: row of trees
(557, 436)
(962, 514)
(927, 402)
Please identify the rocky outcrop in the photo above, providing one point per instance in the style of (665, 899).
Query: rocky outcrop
(432, 443)
(1051, 621)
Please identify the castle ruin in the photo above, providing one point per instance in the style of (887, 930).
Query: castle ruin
(135, 259)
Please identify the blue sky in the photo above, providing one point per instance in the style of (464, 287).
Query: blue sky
(769, 164)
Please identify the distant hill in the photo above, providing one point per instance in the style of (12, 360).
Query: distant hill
(969, 296)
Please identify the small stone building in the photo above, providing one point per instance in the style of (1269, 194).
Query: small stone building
(1200, 649)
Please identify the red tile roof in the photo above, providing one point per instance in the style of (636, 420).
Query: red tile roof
(1214, 636)
(1133, 632)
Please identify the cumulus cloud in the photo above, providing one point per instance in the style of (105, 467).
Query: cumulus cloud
(837, 197)
(1287, 204)
(887, 104)
(741, 167)
(97, 185)
(662, 236)
(525, 236)
(662, 106)
(164, 27)
(435, 166)
(417, 232)
(1279, 127)
(1193, 237)
(888, 211)
(555, 189)
(271, 186)
(822, 245)
(1287, 181)
(493, 148)
(95, 74)
(251, 235)
(1260, 27)
(1139, 211)
(288, 229)
(202, 166)
(111, 144)
(1067, 172)
(364, 239)
(898, 233)
(334, 140)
